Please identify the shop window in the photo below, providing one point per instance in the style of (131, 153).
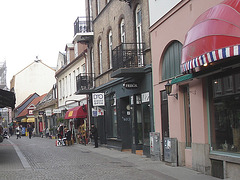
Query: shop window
(225, 114)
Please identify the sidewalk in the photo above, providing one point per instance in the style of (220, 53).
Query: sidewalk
(157, 168)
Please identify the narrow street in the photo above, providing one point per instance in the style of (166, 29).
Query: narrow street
(39, 158)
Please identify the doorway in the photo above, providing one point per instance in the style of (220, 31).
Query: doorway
(164, 117)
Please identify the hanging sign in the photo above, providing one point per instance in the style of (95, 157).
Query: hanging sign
(98, 99)
(48, 112)
(57, 111)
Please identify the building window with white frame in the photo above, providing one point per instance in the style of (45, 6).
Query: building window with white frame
(98, 6)
(122, 31)
(74, 81)
(63, 88)
(100, 57)
(70, 85)
(110, 48)
(66, 86)
(138, 17)
(60, 89)
(68, 56)
(92, 60)
(76, 49)
(84, 68)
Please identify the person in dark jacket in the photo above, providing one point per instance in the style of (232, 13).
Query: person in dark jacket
(30, 130)
(68, 135)
(94, 134)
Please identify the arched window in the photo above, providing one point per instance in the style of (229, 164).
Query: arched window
(110, 48)
(100, 57)
(122, 31)
(172, 61)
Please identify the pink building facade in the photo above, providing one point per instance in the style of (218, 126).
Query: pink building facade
(203, 110)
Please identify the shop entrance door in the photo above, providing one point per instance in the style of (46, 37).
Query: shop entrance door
(164, 117)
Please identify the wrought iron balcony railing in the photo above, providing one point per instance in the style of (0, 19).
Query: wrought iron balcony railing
(85, 81)
(83, 25)
(128, 55)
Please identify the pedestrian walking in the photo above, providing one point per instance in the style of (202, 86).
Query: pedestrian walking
(94, 135)
(68, 135)
(30, 129)
(18, 129)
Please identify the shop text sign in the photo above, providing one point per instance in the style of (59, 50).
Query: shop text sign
(98, 99)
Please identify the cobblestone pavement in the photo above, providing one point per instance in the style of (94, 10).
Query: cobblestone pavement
(40, 159)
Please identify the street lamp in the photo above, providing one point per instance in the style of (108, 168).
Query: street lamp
(168, 88)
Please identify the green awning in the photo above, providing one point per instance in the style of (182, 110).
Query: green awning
(182, 78)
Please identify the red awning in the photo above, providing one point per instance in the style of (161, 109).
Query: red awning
(77, 112)
(214, 35)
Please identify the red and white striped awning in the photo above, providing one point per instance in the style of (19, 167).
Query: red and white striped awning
(215, 35)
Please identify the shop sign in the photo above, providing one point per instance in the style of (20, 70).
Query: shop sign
(130, 85)
(48, 112)
(56, 111)
(145, 97)
(41, 112)
(94, 112)
(98, 99)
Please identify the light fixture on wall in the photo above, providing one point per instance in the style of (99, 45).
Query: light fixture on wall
(168, 88)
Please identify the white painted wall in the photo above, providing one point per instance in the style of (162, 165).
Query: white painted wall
(37, 77)
(158, 8)
(67, 85)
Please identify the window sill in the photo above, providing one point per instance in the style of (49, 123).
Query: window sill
(229, 157)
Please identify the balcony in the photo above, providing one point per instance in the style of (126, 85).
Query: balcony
(128, 60)
(83, 31)
(85, 83)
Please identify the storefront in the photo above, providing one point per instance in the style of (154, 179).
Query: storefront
(201, 111)
(211, 53)
(127, 117)
(76, 117)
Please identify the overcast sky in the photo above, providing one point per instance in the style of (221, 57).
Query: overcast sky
(30, 28)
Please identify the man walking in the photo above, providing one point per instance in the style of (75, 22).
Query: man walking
(94, 134)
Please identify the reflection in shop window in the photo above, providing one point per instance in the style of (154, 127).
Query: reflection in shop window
(225, 114)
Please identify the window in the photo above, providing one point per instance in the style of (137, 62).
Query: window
(98, 6)
(74, 82)
(70, 84)
(63, 88)
(188, 129)
(83, 68)
(138, 17)
(172, 61)
(100, 57)
(76, 49)
(92, 61)
(110, 48)
(68, 56)
(224, 111)
(60, 89)
(66, 86)
(122, 31)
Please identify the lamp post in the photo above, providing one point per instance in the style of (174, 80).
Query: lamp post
(168, 88)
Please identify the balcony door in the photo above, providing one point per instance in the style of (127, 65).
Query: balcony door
(138, 17)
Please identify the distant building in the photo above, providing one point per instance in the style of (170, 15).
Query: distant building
(36, 77)
(70, 64)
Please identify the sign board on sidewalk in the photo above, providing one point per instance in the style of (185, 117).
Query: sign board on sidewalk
(98, 99)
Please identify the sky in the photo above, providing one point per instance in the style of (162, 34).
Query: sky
(30, 28)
